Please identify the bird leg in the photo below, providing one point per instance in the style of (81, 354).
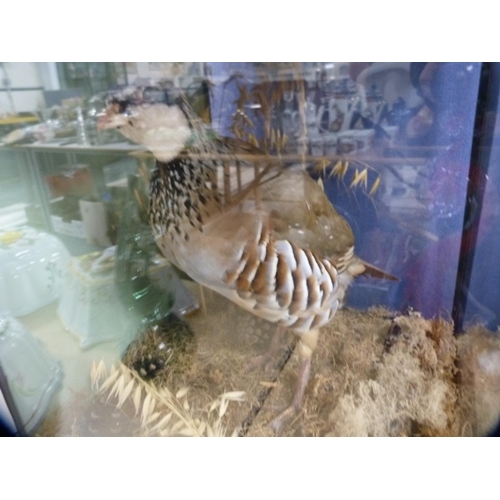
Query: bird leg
(269, 358)
(307, 344)
(202, 299)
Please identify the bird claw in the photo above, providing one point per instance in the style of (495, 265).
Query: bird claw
(264, 361)
(283, 418)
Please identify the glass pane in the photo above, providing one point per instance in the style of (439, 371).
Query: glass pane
(483, 300)
(409, 127)
(198, 244)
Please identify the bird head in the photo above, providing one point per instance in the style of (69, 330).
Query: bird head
(150, 116)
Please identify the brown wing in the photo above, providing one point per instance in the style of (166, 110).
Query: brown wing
(271, 252)
(300, 212)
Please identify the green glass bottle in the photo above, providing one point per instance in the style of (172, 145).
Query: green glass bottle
(135, 249)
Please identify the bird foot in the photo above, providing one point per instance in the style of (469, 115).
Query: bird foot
(284, 418)
(265, 361)
(272, 358)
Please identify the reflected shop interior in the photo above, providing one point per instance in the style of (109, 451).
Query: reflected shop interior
(186, 248)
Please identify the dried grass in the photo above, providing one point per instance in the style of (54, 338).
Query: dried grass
(159, 411)
(267, 96)
(162, 350)
(413, 390)
(372, 374)
(479, 351)
(347, 352)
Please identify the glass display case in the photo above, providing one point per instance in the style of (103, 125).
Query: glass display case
(253, 249)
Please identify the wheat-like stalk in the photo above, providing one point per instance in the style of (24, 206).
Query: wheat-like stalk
(161, 413)
(340, 169)
(269, 95)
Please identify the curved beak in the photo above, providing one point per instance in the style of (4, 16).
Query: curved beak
(111, 119)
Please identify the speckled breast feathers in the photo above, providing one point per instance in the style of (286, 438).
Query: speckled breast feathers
(247, 252)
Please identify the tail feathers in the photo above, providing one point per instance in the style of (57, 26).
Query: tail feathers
(358, 267)
(377, 273)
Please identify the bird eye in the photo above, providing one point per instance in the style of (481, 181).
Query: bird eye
(119, 106)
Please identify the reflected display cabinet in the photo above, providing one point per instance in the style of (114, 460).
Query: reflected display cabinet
(212, 241)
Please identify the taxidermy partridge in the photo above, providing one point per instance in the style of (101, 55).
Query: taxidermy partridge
(277, 248)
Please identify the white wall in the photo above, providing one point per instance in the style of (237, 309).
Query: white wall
(44, 74)
(21, 75)
(164, 70)
(49, 76)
